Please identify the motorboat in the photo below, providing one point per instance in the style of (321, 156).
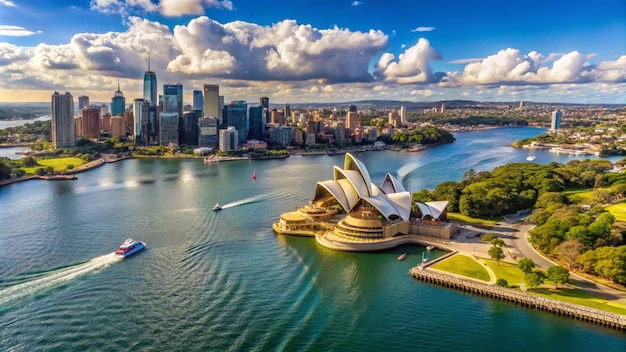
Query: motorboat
(430, 248)
(130, 247)
(217, 207)
(417, 148)
(531, 158)
(402, 256)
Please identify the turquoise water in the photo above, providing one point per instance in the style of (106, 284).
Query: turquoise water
(215, 281)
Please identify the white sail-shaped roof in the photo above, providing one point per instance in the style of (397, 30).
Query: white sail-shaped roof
(434, 209)
(402, 203)
(391, 185)
(352, 185)
(354, 177)
(382, 205)
(352, 163)
(332, 187)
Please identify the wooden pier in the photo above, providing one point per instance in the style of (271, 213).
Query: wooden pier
(575, 311)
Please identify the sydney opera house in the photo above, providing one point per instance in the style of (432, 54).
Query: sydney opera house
(352, 213)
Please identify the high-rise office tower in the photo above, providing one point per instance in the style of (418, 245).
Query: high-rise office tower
(173, 103)
(198, 100)
(150, 86)
(190, 127)
(236, 114)
(149, 124)
(168, 131)
(63, 126)
(90, 122)
(556, 120)
(211, 101)
(403, 114)
(207, 132)
(352, 120)
(118, 102)
(265, 105)
(352, 108)
(287, 113)
(173, 98)
(139, 117)
(229, 139)
(220, 109)
(257, 123)
(83, 101)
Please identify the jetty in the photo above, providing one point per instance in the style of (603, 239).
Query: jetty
(575, 311)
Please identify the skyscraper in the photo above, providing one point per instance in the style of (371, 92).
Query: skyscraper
(265, 105)
(90, 121)
(150, 86)
(257, 123)
(63, 126)
(198, 100)
(556, 120)
(118, 102)
(173, 98)
(403, 114)
(211, 101)
(168, 131)
(207, 132)
(229, 139)
(237, 116)
(83, 101)
(139, 117)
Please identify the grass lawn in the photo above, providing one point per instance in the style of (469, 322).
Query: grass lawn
(576, 296)
(59, 164)
(463, 265)
(462, 218)
(618, 210)
(508, 271)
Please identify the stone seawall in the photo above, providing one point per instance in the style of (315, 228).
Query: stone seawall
(575, 311)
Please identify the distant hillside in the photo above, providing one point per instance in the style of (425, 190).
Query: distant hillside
(23, 111)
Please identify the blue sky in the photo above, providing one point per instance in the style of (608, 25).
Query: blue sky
(318, 51)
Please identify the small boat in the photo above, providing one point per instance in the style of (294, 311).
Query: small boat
(254, 175)
(130, 247)
(430, 248)
(402, 256)
(217, 207)
(531, 158)
(417, 148)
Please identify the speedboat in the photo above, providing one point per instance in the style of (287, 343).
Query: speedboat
(130, 247)
(402, 256)
(217, 207)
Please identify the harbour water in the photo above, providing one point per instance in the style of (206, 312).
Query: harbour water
(219, 281)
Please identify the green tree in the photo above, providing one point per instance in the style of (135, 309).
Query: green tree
(534, 279)
(502, 282)
(526, 265)
(569, 250)
(497, 242)
(29, 161)
(496, 253)
(558, 275)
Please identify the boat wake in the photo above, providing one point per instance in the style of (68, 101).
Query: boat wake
(56, 278)
(245, 201)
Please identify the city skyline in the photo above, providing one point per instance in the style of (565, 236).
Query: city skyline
(322, 51)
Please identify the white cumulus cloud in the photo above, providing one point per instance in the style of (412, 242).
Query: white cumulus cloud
(412, 66)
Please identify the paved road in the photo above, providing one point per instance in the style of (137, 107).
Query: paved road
(516, 237)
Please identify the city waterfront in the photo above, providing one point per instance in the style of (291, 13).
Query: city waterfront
(224, 281)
